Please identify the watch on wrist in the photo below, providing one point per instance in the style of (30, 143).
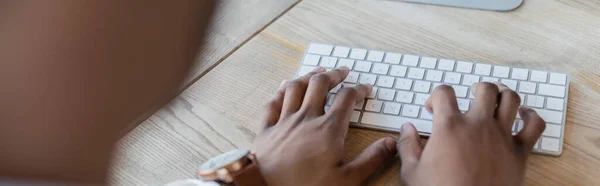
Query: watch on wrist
(238, 167)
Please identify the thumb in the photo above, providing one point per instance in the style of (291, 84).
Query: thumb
(370, 159)
(409, 148)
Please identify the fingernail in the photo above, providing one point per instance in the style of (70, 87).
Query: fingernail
(281, 85)
(391, 145)
(344, 68)
(318, 69)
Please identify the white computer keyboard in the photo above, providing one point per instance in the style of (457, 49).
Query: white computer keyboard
(403, 82)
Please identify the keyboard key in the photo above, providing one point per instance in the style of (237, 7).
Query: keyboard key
(460, 91)
(355, 116)
(428, 62)
(391, 108)
(341, 52)
(527, 87)
(489, 79)
(420, 99)
(385, 81)
(425, 114)
(359, 105)
(446, 64)
(539, 76)
(311, 59)
(305, 70)
(392, 58)
(416, 73)
(395, 122)
(552, 130)
(471, 95)
(554, 104)
(537, 144)
(373, 105)
(346, 63)
(363, 66)
(403, 84)
(452, 77)
(410, 60)
(434, 75)
(410, 111)
(483, 69)
(550, 116)
(348, 85)
(336, 88)
(464, 67)
(501, 71)
(328, 62)
(386, 94)
(352, 77)
(359, 54)
(535, 101)
(469, 80)
(398, 70)
(463, 104)
(522, 96)
(435, 85)
(520, 74)
(380, 68)
(558, 79)
(404, 97)
(367, 79)
(422, 86)
(330, 99)
(320, 49)
(550, 144)
(511, 84)
(551, 90)
(376, 56)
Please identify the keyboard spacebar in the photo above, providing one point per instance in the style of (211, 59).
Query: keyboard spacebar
(395, 122)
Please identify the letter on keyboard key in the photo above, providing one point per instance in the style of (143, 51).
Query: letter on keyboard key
(405, 97)
(552, 90)
(434, 75)
(500, 71)
(385, 81)
(393, 58)
(362, 66)
(346, 63)
(386, 94)
(380, 68)
(520, 74)
(352, 77)
(410, 60)
(554, 103)
(355, 116)
(376, 56)
(464, 67)
(341, 51)
(512, 84)
(373, 105)
(460, 91)
(446, 64)
(552, 130)
(410, 111)
(483, 69)
(416, 73)
(550, 116)
(453, 78)
(391, 108)
(422, 86)
(320, 49)
(559, 79)
(311, 59)
(527, 87)
(357, 53)
(398, 70)
(403, 84)
(328, 62)
(428, 62)
(367, 79)
(550, 144)
(421, 99)
(395, 122)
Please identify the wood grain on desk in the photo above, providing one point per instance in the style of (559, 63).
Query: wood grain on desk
(221, 110)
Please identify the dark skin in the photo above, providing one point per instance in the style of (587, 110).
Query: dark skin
(77, 74)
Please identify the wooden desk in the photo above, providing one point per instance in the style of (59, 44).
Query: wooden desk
(221, 110)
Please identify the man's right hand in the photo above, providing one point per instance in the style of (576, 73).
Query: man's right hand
(474, 148)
